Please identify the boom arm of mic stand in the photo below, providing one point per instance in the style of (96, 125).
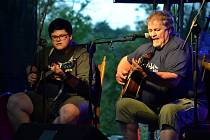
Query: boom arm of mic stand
(106, 42)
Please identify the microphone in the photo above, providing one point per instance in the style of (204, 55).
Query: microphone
(134, 36)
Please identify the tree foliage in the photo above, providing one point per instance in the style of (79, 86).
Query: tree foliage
(53, 9)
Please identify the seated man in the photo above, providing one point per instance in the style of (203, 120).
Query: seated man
(163, 72)
(61, 82)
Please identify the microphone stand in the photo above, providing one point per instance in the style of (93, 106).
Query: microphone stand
(91, 48)
(42, 67)
(195, 36)
(194, 32)
(43, 76)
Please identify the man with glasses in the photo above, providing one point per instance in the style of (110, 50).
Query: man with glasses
(61, 86)
(161, 71)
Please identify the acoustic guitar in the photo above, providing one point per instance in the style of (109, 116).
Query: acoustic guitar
(135, 78)
(66, 67)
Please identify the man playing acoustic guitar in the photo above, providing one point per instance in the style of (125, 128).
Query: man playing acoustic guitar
(64, 85)
(164, 81)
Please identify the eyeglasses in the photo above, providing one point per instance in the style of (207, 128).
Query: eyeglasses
(60, 37)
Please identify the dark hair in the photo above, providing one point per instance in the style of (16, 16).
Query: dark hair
(166, 18)
(59, 24)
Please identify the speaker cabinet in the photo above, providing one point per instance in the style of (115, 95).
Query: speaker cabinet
(34, 131)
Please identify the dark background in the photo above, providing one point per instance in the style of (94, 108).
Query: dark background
(17, 42)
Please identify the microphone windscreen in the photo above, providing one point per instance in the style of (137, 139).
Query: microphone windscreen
(146, 35)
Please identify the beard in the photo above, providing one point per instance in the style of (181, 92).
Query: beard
(157, 45)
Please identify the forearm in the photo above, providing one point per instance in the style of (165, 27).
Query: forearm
(124, 64)
(75, 82)
(155, 83)
(166, 79)
(122, 70)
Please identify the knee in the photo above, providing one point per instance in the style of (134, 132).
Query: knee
(13, 101)
(168, 110)
(119, 105)
(69, 113)
(19, 101)
(123, 104)
(168, 116)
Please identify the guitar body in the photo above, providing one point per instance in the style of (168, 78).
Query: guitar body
(133, 86)
(136, 78)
